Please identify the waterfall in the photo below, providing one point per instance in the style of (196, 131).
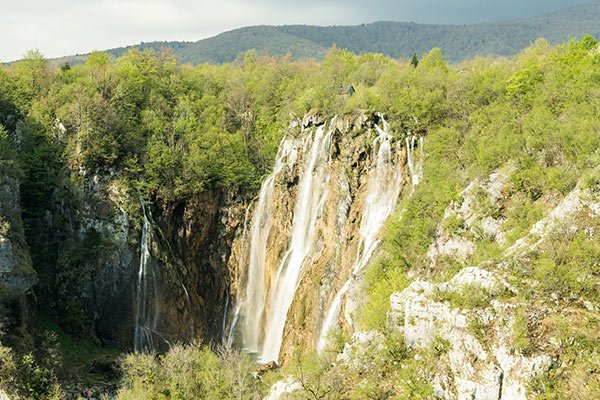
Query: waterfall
(225, 310)
(383, 190)
(146, 319)
(228, 334)
(312, 192)
(290, 228)
(255, 294)
(263, 306)
(415, 170)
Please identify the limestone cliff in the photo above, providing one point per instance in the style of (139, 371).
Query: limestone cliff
(322, 180)
(193, 243)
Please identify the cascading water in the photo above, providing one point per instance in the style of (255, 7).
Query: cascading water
(229, 334)
(146, 319)
(262, 308)
(319, 211)
(255, 296)
(415, 170)
(383, 190)
(312, 191)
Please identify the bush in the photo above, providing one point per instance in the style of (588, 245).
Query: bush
(189, 372)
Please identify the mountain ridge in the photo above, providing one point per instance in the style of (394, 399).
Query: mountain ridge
(391, 38)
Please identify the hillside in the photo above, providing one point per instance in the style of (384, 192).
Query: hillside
(394, 39)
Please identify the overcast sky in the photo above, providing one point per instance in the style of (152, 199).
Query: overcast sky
(64, 27)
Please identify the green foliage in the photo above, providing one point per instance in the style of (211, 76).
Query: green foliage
(32, 375)
(468, 297)
(521, 332)
(83, 362)
(176, 131)
(381, 280)
(414, 61)
(189, 372)
(575, 375)
(382, 368)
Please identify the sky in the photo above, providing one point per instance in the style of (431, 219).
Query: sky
(66, 27)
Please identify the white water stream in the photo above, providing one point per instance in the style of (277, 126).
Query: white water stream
(312, 192)
(383, 189)
(256, 290)
(415, 170)
(146, 318)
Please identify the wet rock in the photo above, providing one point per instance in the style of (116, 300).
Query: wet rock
(268, 367)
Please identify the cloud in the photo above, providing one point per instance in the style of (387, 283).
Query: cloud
(63, 27)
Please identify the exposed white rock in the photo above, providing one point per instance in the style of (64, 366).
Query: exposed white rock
(518, 369)
(492, 228)
(473, 276)
(576, 201)
(281, 388)
(3, 395)
(497, 182)
(476, 372)
(359, 354)
(471, 209)
(458, 247)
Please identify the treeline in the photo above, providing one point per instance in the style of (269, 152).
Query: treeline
(179, 129)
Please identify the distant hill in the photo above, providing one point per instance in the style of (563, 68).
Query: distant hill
(395, 39)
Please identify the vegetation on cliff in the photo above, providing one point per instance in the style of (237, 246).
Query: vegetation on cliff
(170, 131)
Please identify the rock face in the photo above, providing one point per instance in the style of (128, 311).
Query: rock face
(83, 248)
(472, 215)
(480, 360)
(106, 288)
(194, 246)
(561, 217)
(85, 244)
(17, 276)
(340, 156)
(16, 273)
(189, 245)
(470, 369)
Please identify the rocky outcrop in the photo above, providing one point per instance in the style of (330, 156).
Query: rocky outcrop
(480, 368)
(561, 217)
(107, 286)
(189, 243)
(16, 273)
(474, 215)
(281, 389)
